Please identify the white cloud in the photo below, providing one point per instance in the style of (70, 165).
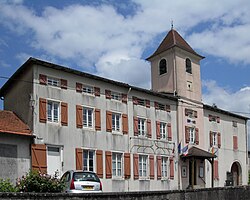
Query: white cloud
(100, 36)
(237, 101)
(225, 99)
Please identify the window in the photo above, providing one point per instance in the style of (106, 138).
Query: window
(234, 124)
(213, 118)
(188, 66)
(192, 135)
(141, 127)
(87, 89)
(88, 160)
(163, 130)
(116, 121)
(143, 166)
(214, 138)
(163, 66)
(53, 111)
(161, 106)
(115, 96)
(53, 81)
(141, 101)
(164, 167)
(87, 117)
(117, 164)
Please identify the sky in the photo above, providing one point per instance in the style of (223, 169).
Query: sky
(112, 39)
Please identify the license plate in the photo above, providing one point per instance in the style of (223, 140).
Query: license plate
(87, 187)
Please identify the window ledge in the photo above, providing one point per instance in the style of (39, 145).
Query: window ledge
(144, 179)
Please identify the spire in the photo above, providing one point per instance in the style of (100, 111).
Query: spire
(172, 24)
(173, 39)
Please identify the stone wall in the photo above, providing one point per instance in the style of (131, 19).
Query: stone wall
(225, 193)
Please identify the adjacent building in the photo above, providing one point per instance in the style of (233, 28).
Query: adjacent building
(133, 138)
(15, 140)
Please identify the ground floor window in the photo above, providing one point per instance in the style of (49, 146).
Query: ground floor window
(88, 160)
(143, 166)
(116, 164)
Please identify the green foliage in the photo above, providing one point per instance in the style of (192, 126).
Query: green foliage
(7, 186)
(249, 177)
(35, 181)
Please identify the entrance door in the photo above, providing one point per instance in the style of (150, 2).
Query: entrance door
(235, 172)
(192, 176)
(54, 161)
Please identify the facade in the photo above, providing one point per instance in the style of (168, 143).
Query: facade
(15, 140)
(134, 139)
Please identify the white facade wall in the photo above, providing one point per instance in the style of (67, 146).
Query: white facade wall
(226, 155)
(69, 137)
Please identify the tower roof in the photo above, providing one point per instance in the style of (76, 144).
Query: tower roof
(171, 40)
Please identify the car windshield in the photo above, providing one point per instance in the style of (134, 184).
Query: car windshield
(85, 176)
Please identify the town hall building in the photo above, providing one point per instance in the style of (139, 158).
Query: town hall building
(133, 138)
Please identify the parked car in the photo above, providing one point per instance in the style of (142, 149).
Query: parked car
(81, 181)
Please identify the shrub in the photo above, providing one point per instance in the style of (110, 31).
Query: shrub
(35, 181)
(7, 186)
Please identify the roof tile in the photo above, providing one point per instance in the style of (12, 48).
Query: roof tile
(10, 123)
(172, 39)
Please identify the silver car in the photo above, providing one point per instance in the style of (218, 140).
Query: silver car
(81, 182)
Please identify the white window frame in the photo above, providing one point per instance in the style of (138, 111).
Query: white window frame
(53, 81)
(142, 128)
(87, 89)
(86, 160)
(88, 123)
(163, 130)
(116, 122)
(115, 96)
(192, 135)
(117, 163)
(53, 115)
(143, 166)
(214, 139)
(164, 167)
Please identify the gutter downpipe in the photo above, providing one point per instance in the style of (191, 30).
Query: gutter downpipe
(177, 116)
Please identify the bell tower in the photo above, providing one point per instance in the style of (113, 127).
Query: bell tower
(175, 68)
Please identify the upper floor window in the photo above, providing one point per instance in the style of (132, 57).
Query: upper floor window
(87, 89)
(163, 130)
(163, 66)
(53, 81)
(234, 124)
(117, 164)
(188, 66)
(192, 135)
(53, 111)
(213, 118)
(141, 127)
(87, 117)
(47, 80)
(215, 139)
(116, 121)
(115, 96)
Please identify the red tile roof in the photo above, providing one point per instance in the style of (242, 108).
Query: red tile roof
(172, 39)
(10, 123)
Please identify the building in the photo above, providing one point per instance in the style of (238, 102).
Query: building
(133, 138)
(15, 140)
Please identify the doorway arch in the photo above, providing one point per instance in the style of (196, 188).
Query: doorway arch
(236, 173)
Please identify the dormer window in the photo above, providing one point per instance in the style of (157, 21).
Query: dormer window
(163, 66)
(188, 66)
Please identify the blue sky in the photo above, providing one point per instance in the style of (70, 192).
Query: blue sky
(112, 38)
